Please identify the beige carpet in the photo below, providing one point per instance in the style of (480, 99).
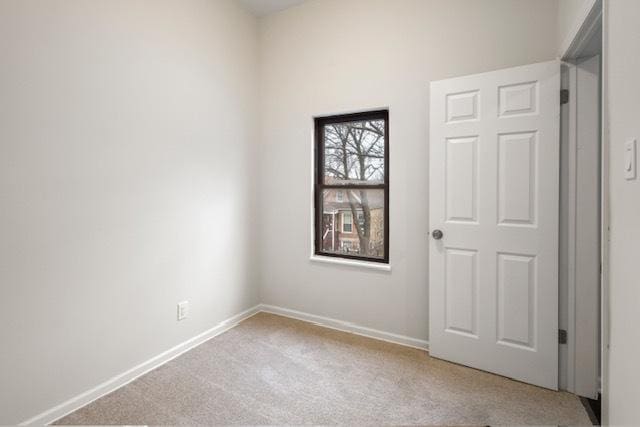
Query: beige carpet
(275, 370)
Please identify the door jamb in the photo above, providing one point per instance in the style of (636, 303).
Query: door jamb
(591, 18)
(571, 225)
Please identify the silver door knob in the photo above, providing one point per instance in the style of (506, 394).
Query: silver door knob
(437, 234)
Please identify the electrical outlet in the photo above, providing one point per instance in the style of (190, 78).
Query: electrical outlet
(183, 310)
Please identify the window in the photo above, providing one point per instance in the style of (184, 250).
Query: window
(347, 222)
(352, 186)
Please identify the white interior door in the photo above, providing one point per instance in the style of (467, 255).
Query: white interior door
(494, 188)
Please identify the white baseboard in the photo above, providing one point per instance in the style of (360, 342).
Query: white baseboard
(118, 381)
(341, 325)
(112, 384)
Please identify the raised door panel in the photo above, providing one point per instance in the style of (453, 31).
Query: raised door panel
(517, 178)
(463, 106)
(461, 291)
(462, 179)
(516, 300)
(518, 99)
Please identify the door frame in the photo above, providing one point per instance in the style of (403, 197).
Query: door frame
(591, 18)
(580, 282)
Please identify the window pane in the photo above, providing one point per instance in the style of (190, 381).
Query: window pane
(341, 234)
(347, 222)
(354, 152)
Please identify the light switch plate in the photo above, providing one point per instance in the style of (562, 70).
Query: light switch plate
(630, 159)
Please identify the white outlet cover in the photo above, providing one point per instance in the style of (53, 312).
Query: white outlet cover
(630, 159)
(183, 310)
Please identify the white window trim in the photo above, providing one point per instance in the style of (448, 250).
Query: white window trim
(350, 263)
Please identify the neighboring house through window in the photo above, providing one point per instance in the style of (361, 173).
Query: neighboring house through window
(352, 186)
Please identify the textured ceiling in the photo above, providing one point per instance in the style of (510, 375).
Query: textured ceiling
(264, 7)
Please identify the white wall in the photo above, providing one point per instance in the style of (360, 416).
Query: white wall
(622, 87)
(126, 129)
(330, 56)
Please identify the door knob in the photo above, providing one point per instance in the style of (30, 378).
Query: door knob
(437, 234)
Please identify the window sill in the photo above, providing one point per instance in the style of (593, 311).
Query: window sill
(351, 263)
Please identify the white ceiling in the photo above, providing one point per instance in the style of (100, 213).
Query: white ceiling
(264, 7)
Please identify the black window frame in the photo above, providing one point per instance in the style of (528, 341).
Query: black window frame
(320, 186)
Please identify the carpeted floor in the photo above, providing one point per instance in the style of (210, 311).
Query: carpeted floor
(275, 370)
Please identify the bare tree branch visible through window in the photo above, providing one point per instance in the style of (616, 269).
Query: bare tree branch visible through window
(354, 152)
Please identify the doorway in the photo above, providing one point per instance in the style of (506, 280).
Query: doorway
(458, 307)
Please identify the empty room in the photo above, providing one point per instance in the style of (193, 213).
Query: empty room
(319, 212)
